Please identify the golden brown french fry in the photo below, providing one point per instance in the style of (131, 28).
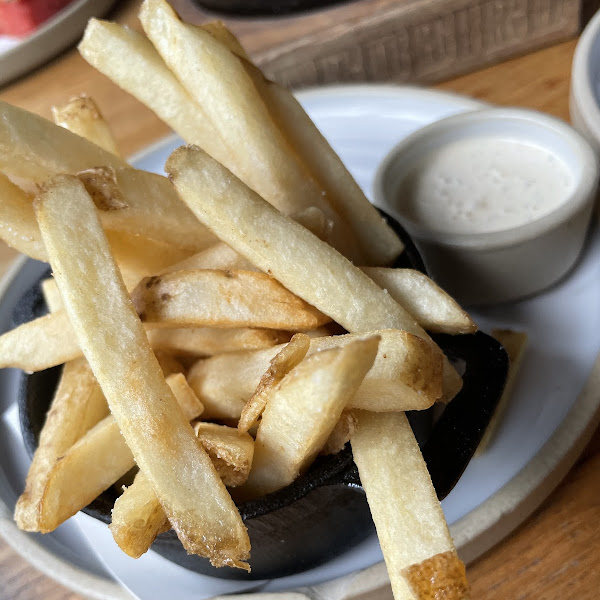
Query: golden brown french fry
(77, 406)
(303, 411)
(108, 329)
(341, 434)
(89, 467)
(51, 295)
(432, 307)
(82, 116)
(514, 343)
(130, 60)
(414, 538)
(18, 227)
(207, 341)
(305, 265)
(137, 517)
(230, 450)
(229, 299)
(35, 149)
(258, 152)
(40, 344)
(406, 375)
(283, 362)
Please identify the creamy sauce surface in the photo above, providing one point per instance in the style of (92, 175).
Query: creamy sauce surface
(483, 185)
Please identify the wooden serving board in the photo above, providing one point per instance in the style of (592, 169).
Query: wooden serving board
(416, 41)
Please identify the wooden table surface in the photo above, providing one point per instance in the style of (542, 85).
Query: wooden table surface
(555, 554)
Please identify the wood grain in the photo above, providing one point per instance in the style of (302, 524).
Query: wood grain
(556, 553)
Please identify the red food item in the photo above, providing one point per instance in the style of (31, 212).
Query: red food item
(21, 17)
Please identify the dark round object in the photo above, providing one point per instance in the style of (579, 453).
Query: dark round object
(264, 8)
(325, 511)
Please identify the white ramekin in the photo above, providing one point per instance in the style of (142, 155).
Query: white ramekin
(507, 264)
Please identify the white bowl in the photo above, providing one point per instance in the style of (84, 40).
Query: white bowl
(493, 261)
(584, 101)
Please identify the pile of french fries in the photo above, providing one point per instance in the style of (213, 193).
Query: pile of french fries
(215, 333)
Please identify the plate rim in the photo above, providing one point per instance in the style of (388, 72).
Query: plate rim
(474, 533)
(18, 60)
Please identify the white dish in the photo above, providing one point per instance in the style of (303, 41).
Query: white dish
(584, 101)
(498, 200)
(545, 427)
(18, 57)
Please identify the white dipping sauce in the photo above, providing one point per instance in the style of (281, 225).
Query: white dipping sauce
(483, 185)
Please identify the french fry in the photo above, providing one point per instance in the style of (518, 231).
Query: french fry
(229, 299)
(230, 450)
(139, 257)
(35, 149)
(51, 295)
(221, 256)
(303, 411)
(77, 406)
(207, 341)
(104, 46)
(414, 538)
(258, 152)
(305, 265)
(40, 344)
(220, 32)
(341, 434)
(50, 341)
(406, 375)
(137, 517)
(113, 339)
(82, 116)
(283, 362)
(514, 343)
(89, 467)
(432, 307)
(186, 398)
(18, 227)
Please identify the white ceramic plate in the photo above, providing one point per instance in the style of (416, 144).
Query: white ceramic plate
(547, 423)
(18, 57)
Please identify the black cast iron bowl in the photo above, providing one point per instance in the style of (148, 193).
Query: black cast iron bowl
(324, 512)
